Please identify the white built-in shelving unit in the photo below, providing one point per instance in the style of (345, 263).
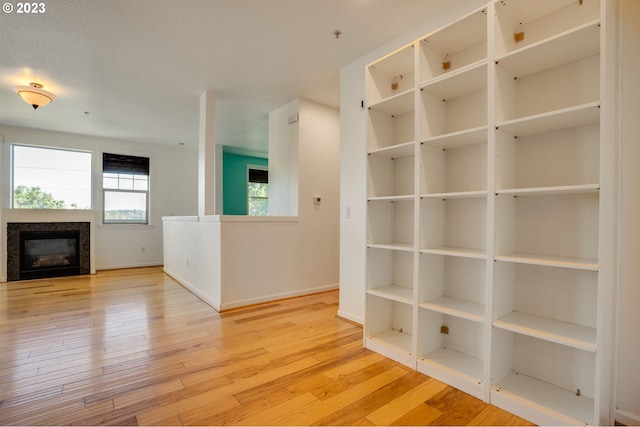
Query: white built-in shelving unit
(491, 172)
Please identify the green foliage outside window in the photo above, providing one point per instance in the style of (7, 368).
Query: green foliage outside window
(34, 198)
(258, 196)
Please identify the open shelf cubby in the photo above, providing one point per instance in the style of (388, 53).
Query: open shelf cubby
(454, 47)
(554, 380)
(451, 349)
(441, 116)
(453, 285)
(554, 90)
(453, 225)
(523, 24)
(540, 301)
(390, 331)
(388, 130)
(544, 229)
(392, 75)
(390, 274)
(548, 160)
(459, 169)
(390, 176)
(390, 224)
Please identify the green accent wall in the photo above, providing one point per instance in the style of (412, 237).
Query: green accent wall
(234, 181)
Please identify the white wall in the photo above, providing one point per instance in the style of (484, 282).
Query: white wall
(628, 349)
(192, 255)
(353, 161)
(248, 260)
(283, 160)
(319, 167)
(173, 192)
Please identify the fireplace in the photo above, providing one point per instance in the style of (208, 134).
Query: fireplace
(47, 249)
(49, 253)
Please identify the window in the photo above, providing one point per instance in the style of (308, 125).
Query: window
(125, 189)
(50, 178)
(258, 192)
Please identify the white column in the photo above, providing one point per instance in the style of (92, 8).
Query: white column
(207, 155)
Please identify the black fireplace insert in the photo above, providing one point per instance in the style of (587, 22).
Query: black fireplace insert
(49, 253)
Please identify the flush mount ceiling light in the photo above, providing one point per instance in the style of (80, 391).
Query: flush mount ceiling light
(34, 95)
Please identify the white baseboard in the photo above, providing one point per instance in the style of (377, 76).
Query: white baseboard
(627, 418)
(194, 290)
(275, 297)
(118, 267)
(355, 319)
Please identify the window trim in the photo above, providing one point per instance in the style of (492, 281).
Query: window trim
(11, 155)
(113, 190)
(255, 167)
(126, 224)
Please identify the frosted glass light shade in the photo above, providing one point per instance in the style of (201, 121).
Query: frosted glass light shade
(34, 95)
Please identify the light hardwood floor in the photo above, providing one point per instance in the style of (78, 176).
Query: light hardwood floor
(133, 347)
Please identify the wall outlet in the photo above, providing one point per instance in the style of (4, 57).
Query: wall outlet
(317, 200)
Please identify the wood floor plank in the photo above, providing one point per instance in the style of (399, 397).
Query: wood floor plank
(422, 414)
(457, 407)
(230, 389)
(278, 414)
(235, 414)
(133, 347)
(493, 416)
(372, 401)
(324, 409)
(403, 405)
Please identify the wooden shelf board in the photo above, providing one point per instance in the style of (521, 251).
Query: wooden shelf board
(392, 245)
(403, 198)
(459, 252)
(464, 364)
(405, 149)
(565, 118)
(463, 138)
(551, 191)
(455, 195)
(564, 48)
(395, 63)
(550, 260)
(393, 292)
(399, 340)
(569, 334)
(560, 406)
(468, 79)
(456, 307)
(399, 103)
(460, 35)
(525, 11)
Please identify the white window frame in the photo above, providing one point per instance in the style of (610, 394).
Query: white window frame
(255, 167)
(147, 192)
(11, 155)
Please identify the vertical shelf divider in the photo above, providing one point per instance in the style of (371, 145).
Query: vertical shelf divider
(491, 185)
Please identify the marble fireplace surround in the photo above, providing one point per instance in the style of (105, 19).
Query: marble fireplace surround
(36, 220)
(13, 242)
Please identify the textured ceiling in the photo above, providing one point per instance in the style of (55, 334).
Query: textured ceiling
(138, 67)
